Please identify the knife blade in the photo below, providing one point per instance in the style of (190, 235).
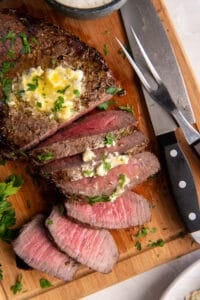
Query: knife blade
(141, 15)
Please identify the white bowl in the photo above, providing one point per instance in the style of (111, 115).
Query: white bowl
(89, 12)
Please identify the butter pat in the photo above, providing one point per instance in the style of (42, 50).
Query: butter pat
(56, 91)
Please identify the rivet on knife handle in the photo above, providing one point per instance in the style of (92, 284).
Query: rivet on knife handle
(181, 181)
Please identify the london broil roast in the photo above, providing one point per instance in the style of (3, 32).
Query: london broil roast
(50, 80)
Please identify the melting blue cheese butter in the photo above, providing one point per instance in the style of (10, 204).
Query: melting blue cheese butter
(53, 91)
(101, 168)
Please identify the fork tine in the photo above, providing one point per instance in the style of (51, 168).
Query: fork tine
(135, 67)
(146, 58)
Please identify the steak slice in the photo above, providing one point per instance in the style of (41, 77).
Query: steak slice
(130, 209)
(38, 251)
(121, 178)
(92, 132)
(73, 165)
(30, 43)
(94, 248)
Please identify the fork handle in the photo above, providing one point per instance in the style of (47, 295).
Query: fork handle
(181, 181)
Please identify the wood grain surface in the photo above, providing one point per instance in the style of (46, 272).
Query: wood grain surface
(97, 33)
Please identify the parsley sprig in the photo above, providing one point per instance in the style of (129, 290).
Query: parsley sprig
(7, 213)
(44, 283)
(17, 287)
(109, 139)
(96, 199)
(158, 243)
(11, 36)
(45, 156)
(34, 84)
(58, 104)
(105, 105)
(26, 45)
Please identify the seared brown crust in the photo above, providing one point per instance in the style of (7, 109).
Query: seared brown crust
(54, 46)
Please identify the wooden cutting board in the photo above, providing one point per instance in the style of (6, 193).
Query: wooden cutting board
(165, 219)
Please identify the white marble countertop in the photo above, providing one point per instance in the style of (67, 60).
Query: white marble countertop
(185, 15)
(150, 285)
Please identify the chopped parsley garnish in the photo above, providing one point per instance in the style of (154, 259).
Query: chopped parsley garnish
(7, 213)
(144, 231)
(7, 66)
(138, 246)
(107, 166)
(34, 84)
(9, 36)
(105, 105)
(77, 93)
(122, 180)
(11, 53)
(49, 221)
(109, 139)
(17, 287)
(44, 283)
(7, 88)
(113, 90)
(62, 91)
(58, 104)
(10, 186)
(26, 46)
(105, 49)
(39, 104)
(87, 173)
(96, 199)
(45, 156)
(127, 108)
(158, 243)
(1, 273)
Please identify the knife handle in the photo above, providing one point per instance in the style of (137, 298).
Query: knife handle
(181, 181)
(196, 147)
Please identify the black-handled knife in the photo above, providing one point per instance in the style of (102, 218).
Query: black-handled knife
(181, 181)
(141, 15)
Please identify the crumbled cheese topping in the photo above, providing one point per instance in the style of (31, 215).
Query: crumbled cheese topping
(101, 168)
(53, 91)
(88, 155)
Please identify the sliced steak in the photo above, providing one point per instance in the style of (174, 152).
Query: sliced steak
(133, 143)
(94, 131)
(30, 43)
(128, 210)
(121, 178)
(94, 248)
(39, 252)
